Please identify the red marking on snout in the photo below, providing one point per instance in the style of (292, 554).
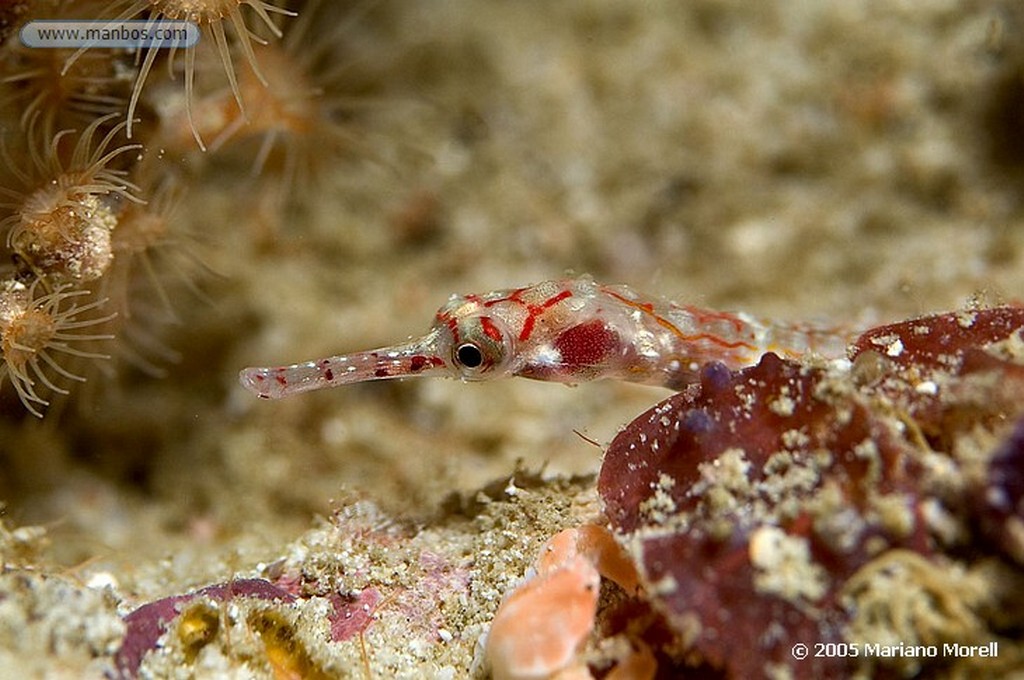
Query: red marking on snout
(418, 362)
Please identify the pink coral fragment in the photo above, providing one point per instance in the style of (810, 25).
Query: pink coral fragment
(942, 339)
(352, 615)
(148, 623)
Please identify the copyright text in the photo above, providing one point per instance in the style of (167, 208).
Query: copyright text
(854, 650)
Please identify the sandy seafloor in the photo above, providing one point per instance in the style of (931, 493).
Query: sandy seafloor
(856, 162)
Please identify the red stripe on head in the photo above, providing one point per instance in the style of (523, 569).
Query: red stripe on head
(490, 329)
(527, 327)
(555, 299)
(453, 327)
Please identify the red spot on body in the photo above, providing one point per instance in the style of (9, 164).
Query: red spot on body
(281, 380)
(329, 374)
(586, 345)
(381, 373)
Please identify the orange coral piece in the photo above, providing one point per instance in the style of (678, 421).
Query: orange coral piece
(539, 629)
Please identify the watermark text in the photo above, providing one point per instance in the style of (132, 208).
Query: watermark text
(136, 34)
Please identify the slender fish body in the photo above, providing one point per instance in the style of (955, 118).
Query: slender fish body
(567, 331)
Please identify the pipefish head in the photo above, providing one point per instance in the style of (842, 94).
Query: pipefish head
(467, 341)
(531, 332)
(559, 331)
(474, 338)
(549, 331)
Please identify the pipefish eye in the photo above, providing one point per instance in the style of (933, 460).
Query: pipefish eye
(482, 347)
(469, 355)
